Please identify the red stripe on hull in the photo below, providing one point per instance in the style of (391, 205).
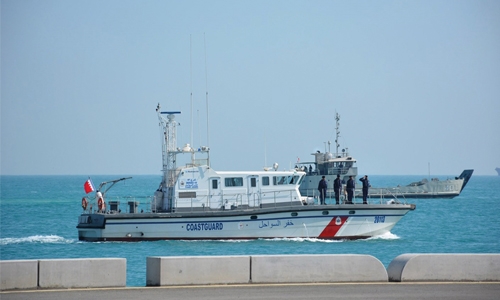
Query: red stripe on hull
(333, 227)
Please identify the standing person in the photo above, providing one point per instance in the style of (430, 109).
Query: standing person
(322, 186)
(337, 188)
(350, 189)
(366, 185)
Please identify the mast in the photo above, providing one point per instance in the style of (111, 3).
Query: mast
(337, 133)
(168, 128)
(206, 98)
(191, 79)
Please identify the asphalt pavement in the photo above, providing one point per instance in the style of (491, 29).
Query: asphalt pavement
(473, 290)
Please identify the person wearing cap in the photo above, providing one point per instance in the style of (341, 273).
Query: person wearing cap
(366, 185)
(350, 186)
(337, 188)
(322, 186)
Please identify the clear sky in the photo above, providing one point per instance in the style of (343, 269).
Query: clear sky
(416, 83)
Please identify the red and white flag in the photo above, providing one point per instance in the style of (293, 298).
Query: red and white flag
(88, 186)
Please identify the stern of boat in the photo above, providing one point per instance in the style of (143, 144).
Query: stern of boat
(90, 227)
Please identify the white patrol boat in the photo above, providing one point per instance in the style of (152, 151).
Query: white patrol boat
(195, 202)
(341, 163)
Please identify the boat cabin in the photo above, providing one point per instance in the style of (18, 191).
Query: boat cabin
(202, 188)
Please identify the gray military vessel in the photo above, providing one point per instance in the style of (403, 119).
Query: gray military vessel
(341, 163)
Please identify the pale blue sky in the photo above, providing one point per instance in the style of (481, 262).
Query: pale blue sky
(415, 83)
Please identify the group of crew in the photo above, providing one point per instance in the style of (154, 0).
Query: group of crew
(337, 189)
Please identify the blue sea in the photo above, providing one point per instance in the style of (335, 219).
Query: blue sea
(38, 218)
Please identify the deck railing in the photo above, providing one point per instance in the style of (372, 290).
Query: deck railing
(388, 194)
(230, 201)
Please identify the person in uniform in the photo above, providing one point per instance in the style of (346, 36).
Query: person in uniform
(322, 186)
(337, 188)
(366, 185)
(350, 186)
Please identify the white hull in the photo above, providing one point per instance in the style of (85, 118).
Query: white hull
(314, 221)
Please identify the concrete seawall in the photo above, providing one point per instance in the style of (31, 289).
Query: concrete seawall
(63, 273)
(188, 270)
(317, 268)
(18, 274)
(207, 270)
(445, 267)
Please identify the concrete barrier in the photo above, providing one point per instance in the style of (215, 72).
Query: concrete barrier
(317, 268)
(18, 274)
(187, 270)
(82, 273)
(194, 270)
(445, 267)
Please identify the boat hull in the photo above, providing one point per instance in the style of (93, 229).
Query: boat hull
(448, 188)
(432, 189)
(345, 221)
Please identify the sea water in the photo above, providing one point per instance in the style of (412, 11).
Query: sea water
(38, 218)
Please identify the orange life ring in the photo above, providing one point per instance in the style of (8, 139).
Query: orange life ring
(100, 203)
(84, 203)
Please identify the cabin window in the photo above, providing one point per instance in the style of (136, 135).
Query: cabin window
(233, 181)
(215, 184)
(279, 180)
(253, 182)
(300, 179)
(265, 180)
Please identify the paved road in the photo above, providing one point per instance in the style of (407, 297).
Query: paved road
(283, 292)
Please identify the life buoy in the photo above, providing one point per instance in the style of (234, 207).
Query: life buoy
(84, 203)
(100, 203)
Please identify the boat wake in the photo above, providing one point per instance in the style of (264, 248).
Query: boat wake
(300, 239)
(221, 241)
(41, 239)
(385, 236)
(297, 239)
